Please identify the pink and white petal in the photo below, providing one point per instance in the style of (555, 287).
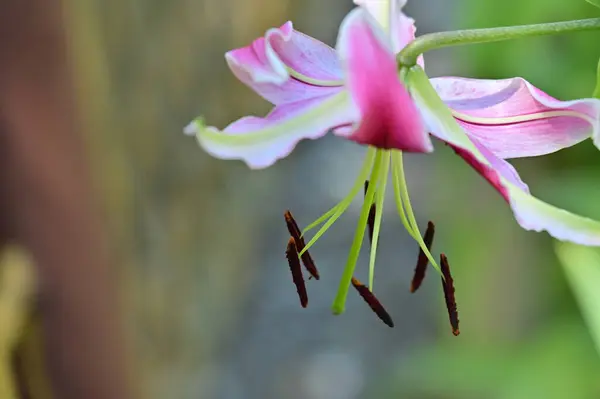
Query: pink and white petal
(505, 169)
(272, 64)
(260, 142)
(305, 55)
(530, 212)
(389, 118)
(512, 118)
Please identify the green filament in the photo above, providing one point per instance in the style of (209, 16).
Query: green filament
(379, 198)
(398, 198)
(334, 213)
(322, 218)
(406, 201)
(340, 299)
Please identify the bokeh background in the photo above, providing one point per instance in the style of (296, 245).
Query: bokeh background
(212, 312)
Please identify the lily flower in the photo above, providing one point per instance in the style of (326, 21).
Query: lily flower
(358, 92)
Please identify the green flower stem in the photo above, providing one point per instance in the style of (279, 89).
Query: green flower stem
(433, 41)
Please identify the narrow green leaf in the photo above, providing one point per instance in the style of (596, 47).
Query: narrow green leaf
(597, 89)
(582, 268)
(594, 2)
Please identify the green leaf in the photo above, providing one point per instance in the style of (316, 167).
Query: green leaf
(582, 268)
(594, 2)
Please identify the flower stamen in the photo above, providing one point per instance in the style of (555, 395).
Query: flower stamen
(294, 230)
(291, 254)
(448, 286)
(371, 220)
(403, 203)
(422, 260)
(378, 214)
(372, 301)
(334, 213)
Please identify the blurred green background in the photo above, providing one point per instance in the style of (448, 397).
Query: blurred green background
(212, 310)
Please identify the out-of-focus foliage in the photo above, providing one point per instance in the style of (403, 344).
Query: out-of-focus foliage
(582, 268)
(184, 225)
(597, 90)
(594, 2)
(16, 291)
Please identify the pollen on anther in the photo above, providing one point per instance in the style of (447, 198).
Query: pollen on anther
(291, 254)
(372, 301)
(448, 286)
(372, 211)
(295, 232)
(422, 260)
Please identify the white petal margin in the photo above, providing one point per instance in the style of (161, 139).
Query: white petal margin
(530, 212)
(260, 142)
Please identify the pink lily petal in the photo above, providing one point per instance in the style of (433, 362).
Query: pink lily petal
(390, 119)
(494, 170)
(512, 118)
(265, 66)
(533, 214)
(505, 169)
(530, 212)
(260, 142)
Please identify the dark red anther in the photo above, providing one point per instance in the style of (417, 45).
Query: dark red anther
(295, 232)
(448, 285)
(422, 261)
(291, 254)
(373, 302)
(371, 219)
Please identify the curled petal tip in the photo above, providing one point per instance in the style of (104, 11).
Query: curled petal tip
(251, 72)
(269, 62)
(193, 127)
(259, 63)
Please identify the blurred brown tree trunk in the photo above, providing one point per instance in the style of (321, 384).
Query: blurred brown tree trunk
(47, 206)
